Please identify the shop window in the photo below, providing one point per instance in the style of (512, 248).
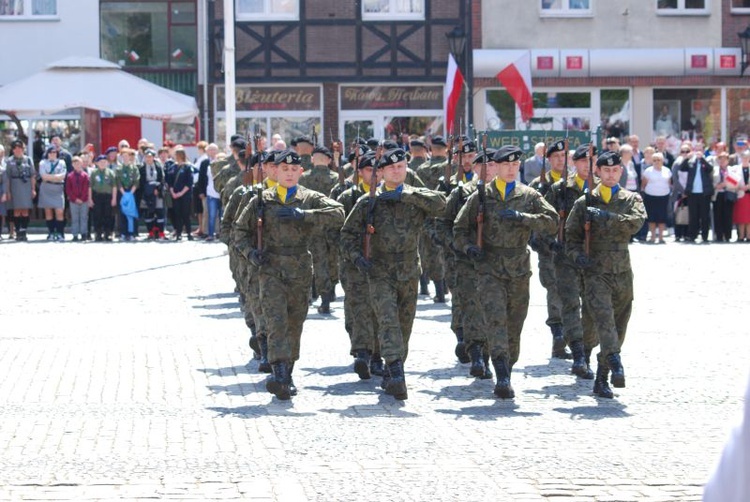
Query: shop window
(267, 10)
(500, 111)
(687, 115)
(682, 7)
(389, 10)
(566, 8)
(28, 8)
(286, 127)
(149, 34)
(615, 112)
(741, 6)
(738, 109)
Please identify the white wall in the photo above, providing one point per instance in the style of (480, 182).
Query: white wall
(516, 24)
(28, 46)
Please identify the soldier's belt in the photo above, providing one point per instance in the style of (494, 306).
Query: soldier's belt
(503, 251)
(286, 251)
(609, 246)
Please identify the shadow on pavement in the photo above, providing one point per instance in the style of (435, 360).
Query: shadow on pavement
(474, 389)
(274, 408)
(329, 370)
(500, 409)
(555, 367)
(235, 314)
(572, 392)
(448, 373)
(215, 296)
(227, 371)
(347, 388)
(386, 407)
(238, 389)
(217, 306)
(604, 409)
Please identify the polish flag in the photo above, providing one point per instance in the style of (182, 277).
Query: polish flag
(453, 83)
(516, 78)
(177, 54)
(133, 56)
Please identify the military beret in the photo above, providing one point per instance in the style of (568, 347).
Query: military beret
(363, 149)
(151, 152)
(235, 137)
(242, 154)
(481, 157)
(508, 153)
(288, 156)
(16, 143)
(367, 160)
(325, 151)
(582, 152)
(271, 156)
(389, 144)
(417, 142)
(608, 159)
(372, 143)
(239, 144)
(100, 157)
(110, 150)
(439, 141)
(468, 146)
(302, 139)
(391, 157)
(557, 146)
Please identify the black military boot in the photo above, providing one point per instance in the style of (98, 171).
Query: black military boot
(396, 385)
(376, 365)
(487, 371)
(579, 367)
(278, 383)
(477, 361)
(386, 377)
(325, 303)
(362, 364)
(423, 283)
(503, 389)
(589, 375)
(292, 387)
(253, 342)
(601, 387)
(439, 292)
(460, 350)
(263, 366)
(618, 372)
(559, 350)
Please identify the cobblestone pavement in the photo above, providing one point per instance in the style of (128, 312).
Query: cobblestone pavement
(124, 374)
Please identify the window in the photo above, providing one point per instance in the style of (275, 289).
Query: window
(682, 7)
(566, 8)
(267, 10)
(28, 8)
(149, 34)
(388, 10)
(741, 6)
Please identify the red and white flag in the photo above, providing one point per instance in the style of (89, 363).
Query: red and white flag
(454, 81)
(133, 56)
(177, 53)
(516, 78)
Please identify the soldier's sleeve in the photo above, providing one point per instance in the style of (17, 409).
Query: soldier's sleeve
(444, 224)
(429, 201)
(244, 228)
(325, 212)
(350, 245)
(543, 217)
(630, 221)
(574, 232)
(465, 222)
(230, 214)
(417, 181)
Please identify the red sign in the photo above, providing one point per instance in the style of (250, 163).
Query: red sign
(727, 62)
(545, 62)
(698, 61)
(574, 62)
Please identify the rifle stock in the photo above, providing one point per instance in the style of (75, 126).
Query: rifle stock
(562, 211)
(481, 194)
(370, 221)
(448, 171)
(587, 223)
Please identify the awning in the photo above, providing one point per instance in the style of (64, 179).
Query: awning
(96, 84)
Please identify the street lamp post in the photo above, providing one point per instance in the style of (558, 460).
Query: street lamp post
(744, 46)
(461, 51)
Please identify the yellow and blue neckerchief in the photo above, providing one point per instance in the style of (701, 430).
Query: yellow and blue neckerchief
(503, 188)
(286, 195)
(555, 176)
(582, 183)
(468, 175)
(398, 189)
(364, 187)
(608, 192)
(271, 183)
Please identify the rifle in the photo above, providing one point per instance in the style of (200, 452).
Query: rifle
(480, 190)
(336, 152)
(562, 208)
(259, 194)
(448, 171)
(587, 224)
(314, 137)
(355, 176)
(370, 220)
(460, 170)
(247, 174)
(543, 172)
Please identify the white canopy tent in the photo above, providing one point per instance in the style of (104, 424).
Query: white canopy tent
(96, 84)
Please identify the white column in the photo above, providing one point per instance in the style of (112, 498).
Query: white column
(229, 87)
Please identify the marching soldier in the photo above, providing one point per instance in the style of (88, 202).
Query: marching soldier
(304, 147)
(510, 212)
(577, 321)
(289, 215)
(324, 248)
(418, 151)
(359, 317)
(380, 238)
(231, 168)
(431, 251)
(613, 215)
(542, 245)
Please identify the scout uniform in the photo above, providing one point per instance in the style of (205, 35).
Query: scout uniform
(103, 193)
(128, 177)
(290, 216)
(512, 211)
(397, 215)
(615, 215)
(21, 185)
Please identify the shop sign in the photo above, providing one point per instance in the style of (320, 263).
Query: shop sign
(384, 97)
(252, 98)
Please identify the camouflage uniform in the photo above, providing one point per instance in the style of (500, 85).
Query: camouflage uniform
(286, 276)
(307, 163)
(541, 244)
(503, 270)
(324, 249)
(608, 281)
(231, 168)
(393, 279)
(430, 251)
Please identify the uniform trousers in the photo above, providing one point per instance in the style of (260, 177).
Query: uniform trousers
(358, 310)
(505, 301)
(394, 302)
(577, 319)
(610, 296)
(102, 212)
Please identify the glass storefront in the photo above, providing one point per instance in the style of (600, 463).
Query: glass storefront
(687, 115)
(40, 132)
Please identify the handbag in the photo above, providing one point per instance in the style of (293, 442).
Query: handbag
(681, 215)
(730, 196)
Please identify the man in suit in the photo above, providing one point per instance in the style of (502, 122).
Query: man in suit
(532, 167)
(699, 189)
